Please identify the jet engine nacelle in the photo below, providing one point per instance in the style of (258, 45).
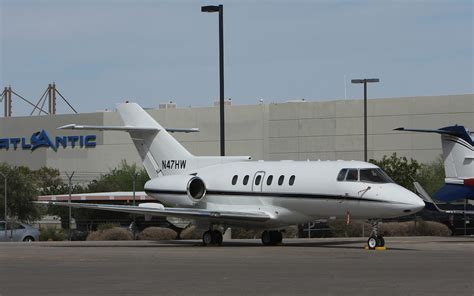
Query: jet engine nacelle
(170, 187)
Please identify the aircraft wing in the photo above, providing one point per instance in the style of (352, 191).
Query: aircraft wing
(185, 213)
(431, 204)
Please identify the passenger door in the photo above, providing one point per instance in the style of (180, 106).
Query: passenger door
(258, 181)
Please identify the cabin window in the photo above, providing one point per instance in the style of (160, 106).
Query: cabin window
(269, 180)
(246, 179)
(374, 176)
(292, 180)
(258, 179)
(352, 175)
(280, 180)
(234, 180)
(342, 175)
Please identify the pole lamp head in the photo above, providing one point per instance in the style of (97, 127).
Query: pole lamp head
(372, 80)
(210, 8)
(366, 80)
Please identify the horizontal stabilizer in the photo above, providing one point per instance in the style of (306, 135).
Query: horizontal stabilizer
(455, 130)
(436, 131)
(186, 213)
(126, 128)
(431, 205)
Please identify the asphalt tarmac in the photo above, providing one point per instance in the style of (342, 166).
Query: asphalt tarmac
(410, 266)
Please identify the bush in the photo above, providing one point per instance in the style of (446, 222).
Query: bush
(157, 233)
(432, 228)
(242, 233)
(78, 235)
(237, 233)
(115, 233)
(291, 232)
(422, 228)
(339, 228)
(106, 226)
(52, 234)
(190, 232)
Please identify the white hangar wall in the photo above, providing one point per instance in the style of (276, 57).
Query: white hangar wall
(326, 130)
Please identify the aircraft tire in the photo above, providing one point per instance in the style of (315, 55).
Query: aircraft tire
(207, 238)
(380, 241)
(271, 238)
(372, 242)
(277, 237)
(267, 238)
(218, 239)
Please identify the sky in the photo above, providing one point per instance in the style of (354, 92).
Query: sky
(102, 52)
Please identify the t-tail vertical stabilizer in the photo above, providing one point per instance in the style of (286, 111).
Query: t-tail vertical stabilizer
(458, 157)
(160, 152)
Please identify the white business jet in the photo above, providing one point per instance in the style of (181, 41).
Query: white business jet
(220, 192)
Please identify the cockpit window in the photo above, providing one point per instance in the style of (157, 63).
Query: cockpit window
(352, 175)
(342, 175)
(374, 176)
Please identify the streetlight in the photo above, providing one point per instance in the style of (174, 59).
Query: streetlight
(220, 9)
(5, 177)
(69, 201)
(365, 81)
(134, 188)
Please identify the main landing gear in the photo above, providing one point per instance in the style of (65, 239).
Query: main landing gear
(271, 238)
(212, 237)
(375, 240)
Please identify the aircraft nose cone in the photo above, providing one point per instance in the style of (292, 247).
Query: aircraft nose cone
(417, 204)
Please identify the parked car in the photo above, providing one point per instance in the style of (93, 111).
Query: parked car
(18, 232)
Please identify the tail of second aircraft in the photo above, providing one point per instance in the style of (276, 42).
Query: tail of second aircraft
(160, 152)
(458, 157)
(458, 152)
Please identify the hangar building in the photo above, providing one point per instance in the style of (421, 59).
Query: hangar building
(297, 130)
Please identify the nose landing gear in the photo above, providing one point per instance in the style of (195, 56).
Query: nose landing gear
(375, 240)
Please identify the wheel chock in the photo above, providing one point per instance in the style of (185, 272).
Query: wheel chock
(376, 248)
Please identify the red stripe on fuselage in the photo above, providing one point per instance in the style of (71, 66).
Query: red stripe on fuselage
(469, 182)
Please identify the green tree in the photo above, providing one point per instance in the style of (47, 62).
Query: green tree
(49, 182)
(431, 176)
(21, 191)
(400, 169)
(24, 185)
(120, 179)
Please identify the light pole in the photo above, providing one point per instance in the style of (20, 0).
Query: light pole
(5, 213)
(365, 81)
(220, 9)
(70, 192)
(134, 188)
